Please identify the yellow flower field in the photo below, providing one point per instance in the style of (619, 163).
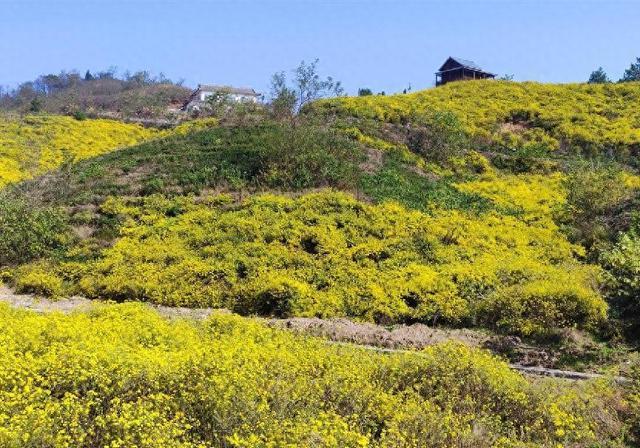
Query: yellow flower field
(32, 145)
(123, 376)
(585, 118)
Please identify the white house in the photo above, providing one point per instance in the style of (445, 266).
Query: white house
(198, 97)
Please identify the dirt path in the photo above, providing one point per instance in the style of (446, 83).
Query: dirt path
(416, 336)
(76, 303)
(343, 332)
(527, 370)
(30, 302)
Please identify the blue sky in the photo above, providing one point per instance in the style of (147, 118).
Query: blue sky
(384, 45)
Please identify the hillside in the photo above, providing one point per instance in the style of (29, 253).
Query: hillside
(31, 145)
(448, 263)
(447, 208)
(103, 94)
(588, 119)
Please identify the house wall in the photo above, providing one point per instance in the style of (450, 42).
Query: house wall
(200, 99)
(238, 98)
(461, 75)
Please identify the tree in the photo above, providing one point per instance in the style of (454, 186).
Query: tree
(307, 86)
(364, 92)
(88, 76)
(632, 73)
(310, 87)
(506, 77)
(110, 73)
(598, 77)
(283, 98)
(35, 105)
(139, 79)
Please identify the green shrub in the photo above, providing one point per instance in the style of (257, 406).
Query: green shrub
(437, 137)
(633, 400)
(306, 156)
(596, 197)
(28, 231)
(80, 115)
(622, 263)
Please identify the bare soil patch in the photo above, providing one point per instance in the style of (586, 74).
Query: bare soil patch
(374, 161)
(415, 336)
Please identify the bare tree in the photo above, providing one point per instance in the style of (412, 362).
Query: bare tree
(307, 86)
(310, 87)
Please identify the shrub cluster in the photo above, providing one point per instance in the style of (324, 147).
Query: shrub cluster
(590, 119)
(121, 375)
(622, 264)
(33, 144)
(327, 254)
(198, 155)
(599, 200)
(28, 232)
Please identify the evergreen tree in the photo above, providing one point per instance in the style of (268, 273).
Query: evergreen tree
(598, 77)
(632, 73)
(88, 76)
(35, 105)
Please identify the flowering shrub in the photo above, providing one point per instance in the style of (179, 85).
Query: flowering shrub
(39, 279)
(586, 118)
(121, 375)
(327, 254)
(34, 144)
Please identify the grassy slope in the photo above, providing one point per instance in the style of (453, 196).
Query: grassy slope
(588, 118)
(34, 144)
(31, 145)
(189, 160)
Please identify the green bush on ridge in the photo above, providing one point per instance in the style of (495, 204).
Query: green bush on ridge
(28, 232)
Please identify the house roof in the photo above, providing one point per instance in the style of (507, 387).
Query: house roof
(228, 89)
(462, 62)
